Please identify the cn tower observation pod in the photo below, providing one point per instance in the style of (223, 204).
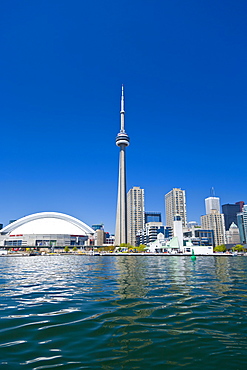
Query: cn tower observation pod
(46, 229)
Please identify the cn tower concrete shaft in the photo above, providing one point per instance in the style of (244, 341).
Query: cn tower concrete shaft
(122, 141)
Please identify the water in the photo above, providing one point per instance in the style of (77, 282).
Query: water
(123, 312)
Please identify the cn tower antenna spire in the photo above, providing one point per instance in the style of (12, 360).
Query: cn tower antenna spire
(122, 112)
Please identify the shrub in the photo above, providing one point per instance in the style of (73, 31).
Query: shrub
(220, 248)
(238, 248)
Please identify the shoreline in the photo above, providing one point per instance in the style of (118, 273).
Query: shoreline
(97, 254)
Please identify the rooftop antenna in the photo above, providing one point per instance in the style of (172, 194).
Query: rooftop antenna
(212, 192)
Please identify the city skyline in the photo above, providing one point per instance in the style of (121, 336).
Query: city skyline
(183, 67)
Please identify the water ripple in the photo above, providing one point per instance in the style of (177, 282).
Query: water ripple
(133, 312)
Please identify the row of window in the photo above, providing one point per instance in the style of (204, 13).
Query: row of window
(14, 243)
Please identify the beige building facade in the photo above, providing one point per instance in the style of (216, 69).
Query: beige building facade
(135, 213)
(232, 235)
(215, 221)
(175, 204)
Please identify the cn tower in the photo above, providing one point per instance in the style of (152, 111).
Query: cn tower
(122, 140)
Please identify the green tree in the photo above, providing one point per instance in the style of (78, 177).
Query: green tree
(126, 245)
(238, 248)
(107, 248)
(74, 249)
(220, 248)
(141, 248)
(66, 249)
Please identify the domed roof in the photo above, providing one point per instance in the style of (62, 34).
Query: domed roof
(48, 223)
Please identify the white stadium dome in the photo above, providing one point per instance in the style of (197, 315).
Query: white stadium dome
(45, 226)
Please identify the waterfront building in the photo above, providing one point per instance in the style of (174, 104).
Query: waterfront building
(232, 235)
(175, 204)
(152, 229)
(212, 203)
(173, 246)
(122, 141)
(215, 221)
(199, 236)
(109, 239)
(230, 214)
(135, 213)
(46, 229)
(150, 232)
(152, 217)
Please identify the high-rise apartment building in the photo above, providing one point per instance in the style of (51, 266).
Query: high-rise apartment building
(135, 213)
(212, 203)
(175, 204)
(215, 221)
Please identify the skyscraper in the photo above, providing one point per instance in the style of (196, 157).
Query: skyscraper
(241, 205)
(230, 214)
(212, 203)
(135, 213)
(122, 141)
(175, 204)
(242, 224)
(215, 221)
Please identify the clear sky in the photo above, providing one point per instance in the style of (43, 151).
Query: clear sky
(183, 64)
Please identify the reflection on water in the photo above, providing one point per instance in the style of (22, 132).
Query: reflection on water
(125, 312)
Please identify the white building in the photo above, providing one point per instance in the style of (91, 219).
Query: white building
(215, 221)
(175, 204)
(162, 245)
(212, 203)
(46, 229)
(135, 213)
(178, 230)
(151, 231)
(232, 235)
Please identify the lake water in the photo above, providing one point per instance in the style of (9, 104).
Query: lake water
(123, 312)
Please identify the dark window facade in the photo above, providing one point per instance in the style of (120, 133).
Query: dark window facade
(230, 214)
(152, 217)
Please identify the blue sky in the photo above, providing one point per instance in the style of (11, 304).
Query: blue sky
(183, 64)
